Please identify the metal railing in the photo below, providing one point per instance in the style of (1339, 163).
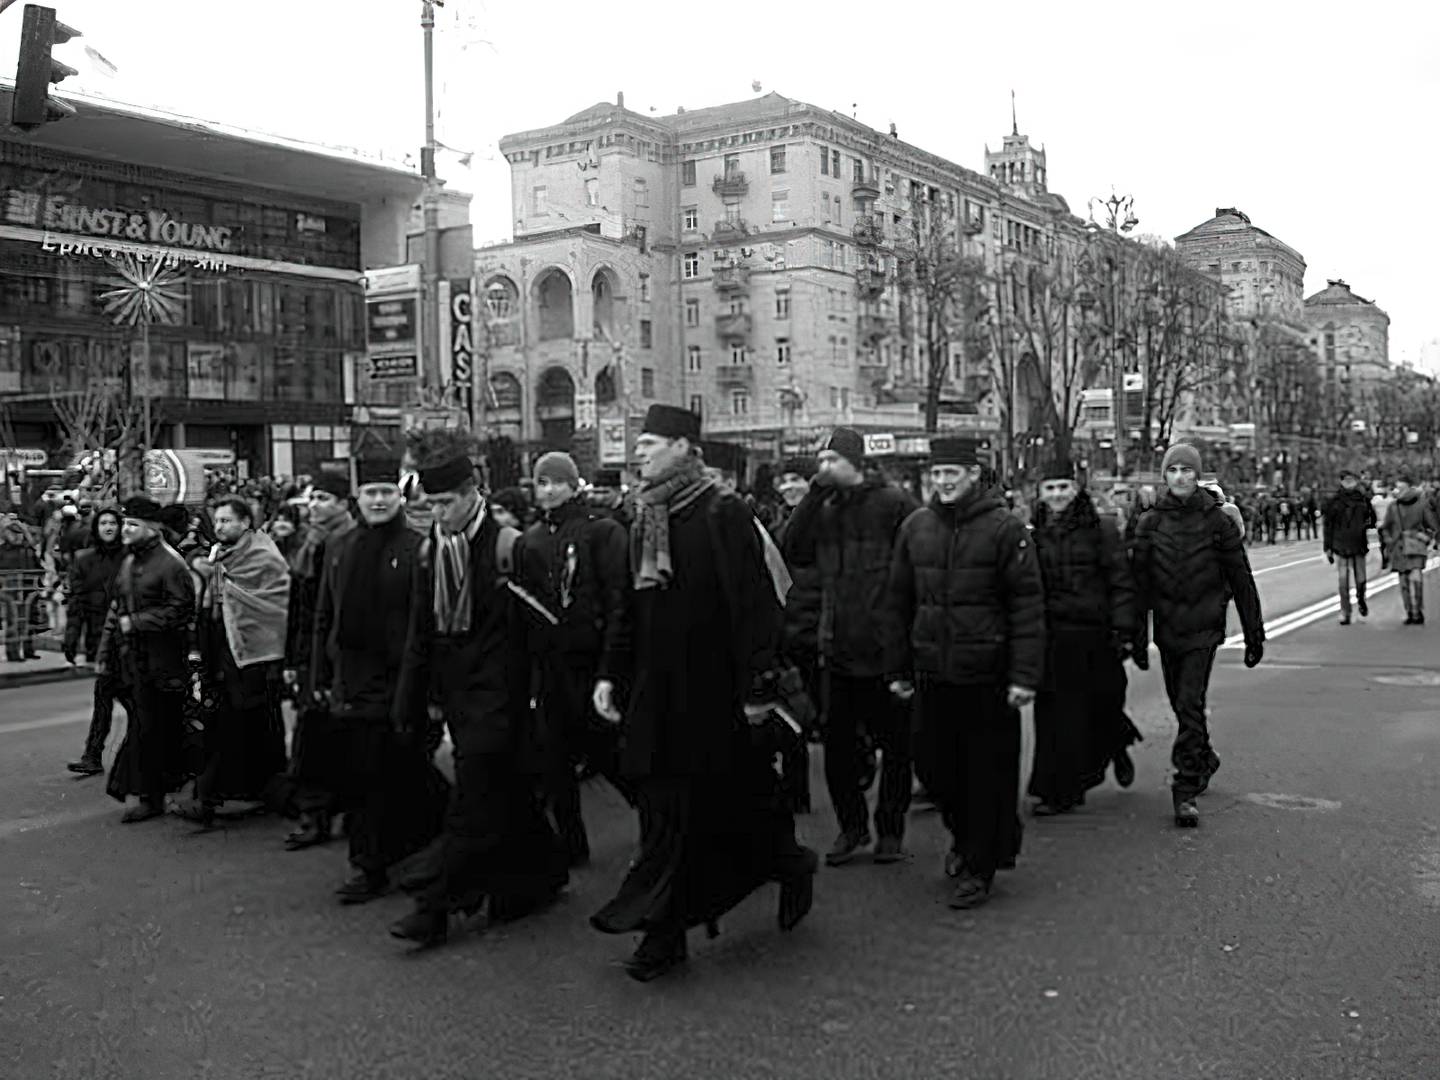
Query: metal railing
(31, 615)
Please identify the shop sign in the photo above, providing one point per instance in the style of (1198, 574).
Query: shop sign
(462, 343)
(148, 227)
(391, 320)
(23, 458)
(585, 409)
(913, 446)
(967, 422)
(614, 446)
(400, 366)
(393, 279)
(879, 445)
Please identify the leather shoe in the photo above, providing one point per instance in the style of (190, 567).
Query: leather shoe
(426, 928)
(659, 951)
(142, 811)
(845, 847)
(971, 891)
(1187, 814)
(86, 766)
(1124, 768)
(315, 830)
(362, 888)
(889, 850)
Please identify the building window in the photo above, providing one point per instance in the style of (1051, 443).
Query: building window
(692, 218)
(692, 265)
(740, 402)
(1330, 346)
(732, 211)
(839, 213)
(780, 206)
(777, 159)
(859, 173)
(647, 382)
(835, 163)
(642, 192)
(732, 166)
(829, 253)
(825, 206)
(738, 355)
(687, 173)
(692, 359)
(692, 312)
(834, 396)
(646, 339)
(782, 303)
(844, 398)
(539, 201)
(782, 350)
(697, 404)
(824, 161)
(644, 290)
(839, 248)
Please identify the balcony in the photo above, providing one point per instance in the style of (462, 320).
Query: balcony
(865, 189)
(731, 278)
(868, 231)
(735, 376)
(731, 184)
(874, 371)
(733, 325)
(873, 328)
(870, 283)
(730, 231)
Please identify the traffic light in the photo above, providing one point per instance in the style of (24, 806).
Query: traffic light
(32, 104)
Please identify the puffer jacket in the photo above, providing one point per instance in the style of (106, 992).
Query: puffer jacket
(91, 583)
(966, 605)
(1189, 560)
(1086, 570)
(1348, 517)
(156, 590)
(1410, 527)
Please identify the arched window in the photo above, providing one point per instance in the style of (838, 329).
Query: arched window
(556, 302)
(500, 297)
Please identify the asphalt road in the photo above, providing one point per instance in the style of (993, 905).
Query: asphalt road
(1295, 934)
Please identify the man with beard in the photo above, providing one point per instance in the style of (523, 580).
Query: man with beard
(315, 745)
(91, 585)
(1189, 561)
(966, 630)
(240, 640)
(1408, 533)
(713, 826)
(856, 518)
(465, 649)
(1092, 623)
(393, 798)
(607, 496)
(144, 646)
(573, 566)
(1348, 517)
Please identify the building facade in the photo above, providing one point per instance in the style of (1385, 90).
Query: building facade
(217, 273)
(1263, 276)
(741, 261)
(1351, 337)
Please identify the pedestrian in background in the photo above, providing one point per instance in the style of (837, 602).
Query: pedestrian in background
(20, 590)
(87, 602)
(1189, 561)
(1409, 533)
(1348, 518)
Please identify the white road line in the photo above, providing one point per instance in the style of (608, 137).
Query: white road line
(47, 722)
(1288, 565)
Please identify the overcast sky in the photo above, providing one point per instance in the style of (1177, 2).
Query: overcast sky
(1317, 119)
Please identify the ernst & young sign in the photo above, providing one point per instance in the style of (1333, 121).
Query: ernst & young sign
(151, 226)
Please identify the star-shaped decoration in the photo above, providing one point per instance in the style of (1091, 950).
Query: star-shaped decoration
(149, 292)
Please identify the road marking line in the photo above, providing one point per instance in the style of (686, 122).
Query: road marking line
(47, 722)
(1288, 565)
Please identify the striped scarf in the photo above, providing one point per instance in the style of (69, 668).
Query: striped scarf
(658, 500)
(453, 604)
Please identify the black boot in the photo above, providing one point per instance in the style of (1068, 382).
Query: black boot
(659, 951)
(426, 928)
(797, 893)
(314, 829)
(971, 890)
(362, 888)
(1124, 768)
(86, 766)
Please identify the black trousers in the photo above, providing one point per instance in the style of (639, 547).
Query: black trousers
(969, 744)
(150, 760)
(1080, 721)
(394, 798)
(856, 705)
(1187, 682)
(105, 693)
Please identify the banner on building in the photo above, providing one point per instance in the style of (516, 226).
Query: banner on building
(614, 446)
(398, 366)
(205, 370)
(9, 359)
(175, 476)
(462, 344)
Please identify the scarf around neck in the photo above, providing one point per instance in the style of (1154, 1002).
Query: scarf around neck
(302, 563)
(658, 501)
(453, 597)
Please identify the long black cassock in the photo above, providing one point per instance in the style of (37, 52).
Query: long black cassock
(713, 824)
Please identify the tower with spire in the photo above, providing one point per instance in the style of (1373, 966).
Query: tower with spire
(1017, 166)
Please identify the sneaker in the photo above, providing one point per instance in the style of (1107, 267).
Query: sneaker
(1187, 814)
(889, 850)
(847, 844)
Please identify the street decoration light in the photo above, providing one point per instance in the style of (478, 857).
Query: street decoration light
(148, 292)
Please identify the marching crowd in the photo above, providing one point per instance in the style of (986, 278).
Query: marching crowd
(673, 643)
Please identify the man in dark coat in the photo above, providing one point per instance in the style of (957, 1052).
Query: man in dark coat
(87, 601)
(713, 825)
(1349, 515)
(392, 795)
(856, 519)
(799, 636)
(1189, 561)
(573, 565)
(465, 649)
(1091, 625)
(145, 645)
(966, 630)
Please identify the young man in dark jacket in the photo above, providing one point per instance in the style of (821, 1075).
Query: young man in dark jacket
(87, 600)
(855, 520)
(965, 628)
(1349, 516)
(1189, 561)
(573, 565)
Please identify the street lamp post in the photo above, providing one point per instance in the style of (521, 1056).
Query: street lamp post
(1119, 218)
(429, 373)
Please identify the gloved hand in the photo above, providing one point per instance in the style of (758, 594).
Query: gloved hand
(1254, 653)
(1330, 557)
(69, 651)
(1141, 655)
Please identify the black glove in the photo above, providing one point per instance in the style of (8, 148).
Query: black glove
(69, 651)
(1141, 655)
(1330, 557)
(1254, 653)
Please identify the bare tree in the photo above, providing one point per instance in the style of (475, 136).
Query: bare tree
(96, 407)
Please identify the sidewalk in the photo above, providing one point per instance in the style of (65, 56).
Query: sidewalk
(49, 667)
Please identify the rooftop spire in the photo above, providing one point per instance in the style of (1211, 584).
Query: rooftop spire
(1014, 122)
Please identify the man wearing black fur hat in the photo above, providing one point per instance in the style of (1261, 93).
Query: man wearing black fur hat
(966, 629)
(1092, 624)
(465, 649)
(854, 519)
(145, 646)
(393, 797)
(713, 826)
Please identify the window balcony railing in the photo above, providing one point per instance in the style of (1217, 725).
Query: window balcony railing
(735, 376)
(730, 230)
(867, 231)
(870, 283)
(731, 184)
(733, 324)
(865, 189)
(731, 278)
(873, 327)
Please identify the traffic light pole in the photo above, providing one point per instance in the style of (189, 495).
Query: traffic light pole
(430, 378)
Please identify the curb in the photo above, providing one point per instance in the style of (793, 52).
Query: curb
(10, 680)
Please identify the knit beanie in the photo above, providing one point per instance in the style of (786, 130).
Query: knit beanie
(849, 444)
(558, 467)
(1180, 454)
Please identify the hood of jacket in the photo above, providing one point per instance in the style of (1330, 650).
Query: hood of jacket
(971, 505)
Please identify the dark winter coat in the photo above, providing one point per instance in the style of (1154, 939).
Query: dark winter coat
(19, 564)
(88, 593)
(1410, 527)
(1189, 560)
(965, 599)
(364, 680)
(1086, 571)
(802, 603)
(854, 535)
(1348, 517)
(156, 590)
(576, 562)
